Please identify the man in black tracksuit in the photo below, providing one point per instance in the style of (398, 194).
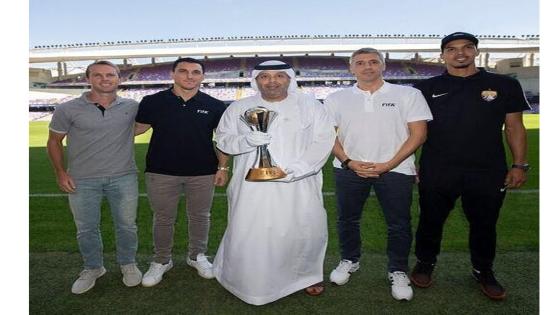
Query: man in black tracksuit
(464, 157)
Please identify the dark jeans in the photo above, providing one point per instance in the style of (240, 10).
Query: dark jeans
(394, 193)
(481, 198)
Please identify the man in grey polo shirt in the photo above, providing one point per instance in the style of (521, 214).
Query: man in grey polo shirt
(99, 127)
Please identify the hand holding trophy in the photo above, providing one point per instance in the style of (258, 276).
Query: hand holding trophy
(259, 119)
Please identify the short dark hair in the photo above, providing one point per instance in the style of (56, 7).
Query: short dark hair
(188, 60)
(103, 62)
(367, 50)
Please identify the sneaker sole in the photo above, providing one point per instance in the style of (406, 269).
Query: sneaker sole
(351, 271)
(149, 285)
(340, 283)
(344, 282)
(493, 297)
(130, 285)
(153, 284)
(421, 285)
(201, 275)
(490, 296)
(93, 284)
(401, 299)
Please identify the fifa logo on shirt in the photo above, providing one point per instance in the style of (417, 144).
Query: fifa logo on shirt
(387, 104)
(489, 95)
(201, 111)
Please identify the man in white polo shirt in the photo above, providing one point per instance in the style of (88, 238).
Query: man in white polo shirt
(380, 125)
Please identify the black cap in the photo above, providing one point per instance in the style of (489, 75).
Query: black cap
(458, 35)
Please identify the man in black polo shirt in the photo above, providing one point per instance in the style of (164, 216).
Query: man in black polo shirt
(181, 158)
(464, 157)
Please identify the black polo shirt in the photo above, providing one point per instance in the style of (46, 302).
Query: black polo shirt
(469, 113)
(181, 143)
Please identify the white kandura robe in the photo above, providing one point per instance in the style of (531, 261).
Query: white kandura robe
(276, 236)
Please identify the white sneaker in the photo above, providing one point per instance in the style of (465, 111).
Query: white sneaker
(86, 281)
(341, 274)
(400, 285)
(203, 266)
(131, 275)
(155, 273)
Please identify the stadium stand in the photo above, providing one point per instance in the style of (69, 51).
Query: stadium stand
(427, 70)
(305, 66)
(148, 79)
(154, 73)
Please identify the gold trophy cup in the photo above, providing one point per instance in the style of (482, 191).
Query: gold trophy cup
(259, 119)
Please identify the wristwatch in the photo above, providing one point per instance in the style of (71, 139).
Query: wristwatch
(344, 164)
(525, 167)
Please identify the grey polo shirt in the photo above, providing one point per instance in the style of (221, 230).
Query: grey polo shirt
(99, 144)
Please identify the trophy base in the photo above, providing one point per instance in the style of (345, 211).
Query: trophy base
(264, 174)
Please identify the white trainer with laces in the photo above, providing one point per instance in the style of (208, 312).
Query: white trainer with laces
(341, 274)
(400, 285)
(203, 266)
(131, 275)
(154, 275)
(86, 281)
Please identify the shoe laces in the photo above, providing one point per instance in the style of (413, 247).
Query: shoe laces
(400, 279)
(155, 268)
(344, 266)
(89, 273)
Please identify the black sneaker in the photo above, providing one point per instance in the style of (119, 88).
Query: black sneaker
(421, 275)
(489, 285)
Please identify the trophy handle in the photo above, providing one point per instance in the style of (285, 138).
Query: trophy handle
(247, 123)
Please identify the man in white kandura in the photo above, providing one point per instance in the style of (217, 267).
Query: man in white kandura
(276, 238)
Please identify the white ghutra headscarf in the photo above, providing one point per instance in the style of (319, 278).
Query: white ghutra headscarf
(274, 65)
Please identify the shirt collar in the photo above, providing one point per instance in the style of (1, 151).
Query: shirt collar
(85, 98)
(196, 97)
(383, 89)
(476, 75)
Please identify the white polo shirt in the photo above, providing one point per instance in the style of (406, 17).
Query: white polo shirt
(373, 126)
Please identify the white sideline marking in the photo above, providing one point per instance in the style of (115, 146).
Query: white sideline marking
(326, 193)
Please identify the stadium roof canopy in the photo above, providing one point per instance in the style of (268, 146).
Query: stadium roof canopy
(268, 45)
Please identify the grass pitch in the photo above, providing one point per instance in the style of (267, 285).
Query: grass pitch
(55, 261)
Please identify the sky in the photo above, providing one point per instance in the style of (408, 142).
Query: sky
(75, 21)
(46, 22)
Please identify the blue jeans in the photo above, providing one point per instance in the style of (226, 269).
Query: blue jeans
(394, 193)
(122, 194)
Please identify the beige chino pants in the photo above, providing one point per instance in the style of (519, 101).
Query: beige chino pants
(164, 192)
